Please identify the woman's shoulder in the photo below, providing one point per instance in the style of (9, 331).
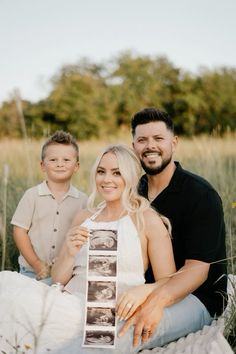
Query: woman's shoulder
(153, 219)
(150, 214)
(81, 216)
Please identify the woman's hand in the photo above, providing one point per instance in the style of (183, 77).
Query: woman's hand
(130, 300)
(76, 237)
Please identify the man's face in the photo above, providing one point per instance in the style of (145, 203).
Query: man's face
(154, 144)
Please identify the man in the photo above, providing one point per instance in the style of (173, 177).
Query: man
(195, 294)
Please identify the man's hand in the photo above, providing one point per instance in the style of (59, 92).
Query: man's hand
(147, 317)
(145, 321)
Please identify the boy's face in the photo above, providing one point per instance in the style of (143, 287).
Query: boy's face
(60, 162)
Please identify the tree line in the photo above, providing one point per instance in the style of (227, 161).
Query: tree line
(90, 99)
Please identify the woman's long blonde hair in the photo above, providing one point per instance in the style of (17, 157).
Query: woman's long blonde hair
(130, 169)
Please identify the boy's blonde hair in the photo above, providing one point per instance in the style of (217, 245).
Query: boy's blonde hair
(60, 137)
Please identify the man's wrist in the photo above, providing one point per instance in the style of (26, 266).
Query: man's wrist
(161, 296)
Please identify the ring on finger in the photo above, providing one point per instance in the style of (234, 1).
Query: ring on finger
(146, 331)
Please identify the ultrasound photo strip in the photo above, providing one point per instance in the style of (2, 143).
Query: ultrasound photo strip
(104, 240)
(100, 319)
(102, 265)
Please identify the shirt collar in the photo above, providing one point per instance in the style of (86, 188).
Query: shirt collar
(173, 186)
(44, 190)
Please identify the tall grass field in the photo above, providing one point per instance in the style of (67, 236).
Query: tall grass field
(211, 157)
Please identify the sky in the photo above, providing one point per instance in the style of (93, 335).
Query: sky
(38, 37)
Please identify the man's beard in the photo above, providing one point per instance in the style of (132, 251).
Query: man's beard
(152, 171)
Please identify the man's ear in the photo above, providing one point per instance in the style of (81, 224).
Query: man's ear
(175, 141)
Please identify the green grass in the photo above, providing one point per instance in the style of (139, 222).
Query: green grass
(210, 157)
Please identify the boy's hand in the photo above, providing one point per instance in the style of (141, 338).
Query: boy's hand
(42, 270)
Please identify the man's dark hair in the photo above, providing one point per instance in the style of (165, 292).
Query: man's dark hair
(60, 137)
(151, 114)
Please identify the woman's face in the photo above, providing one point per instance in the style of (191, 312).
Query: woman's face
(109, 182)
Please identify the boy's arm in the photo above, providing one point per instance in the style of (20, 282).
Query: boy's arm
(25, 247)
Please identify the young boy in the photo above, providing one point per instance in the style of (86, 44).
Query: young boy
(45, 212)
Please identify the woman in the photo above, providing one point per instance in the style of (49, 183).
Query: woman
(56, 321)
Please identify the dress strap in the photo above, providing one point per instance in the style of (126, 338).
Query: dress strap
(93, 217)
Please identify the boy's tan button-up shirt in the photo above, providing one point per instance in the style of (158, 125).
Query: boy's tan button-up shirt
(47, 220)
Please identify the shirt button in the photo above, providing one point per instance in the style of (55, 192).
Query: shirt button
(53, 246)
(55, 230)
(57, 212)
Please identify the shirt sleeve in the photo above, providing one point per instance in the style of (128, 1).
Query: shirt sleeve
(205, 231)
(24, 212)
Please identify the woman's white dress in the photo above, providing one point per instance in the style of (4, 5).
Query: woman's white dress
(36, 318)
